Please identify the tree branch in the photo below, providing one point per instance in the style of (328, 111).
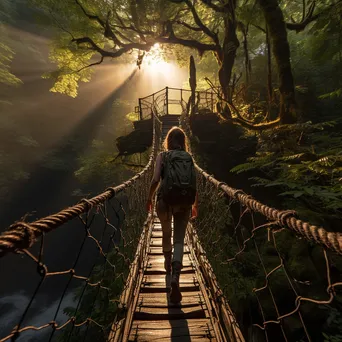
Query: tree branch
(213, 6)
(200, 24)
(108, 33)
(309, 17)
(259, 28)
(239, 119)
(60, 25)
(197, 29)
(194, 44)
(255, 127)
(120, 34)
(92, 64)
(90, 16)
(94, 46)
(132, 28)
(172, 39)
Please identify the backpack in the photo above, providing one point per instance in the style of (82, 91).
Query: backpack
(178, 185)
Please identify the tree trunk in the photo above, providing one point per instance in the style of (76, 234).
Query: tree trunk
(227, 57)
(281, 50)
(269, 73)
(247, 60)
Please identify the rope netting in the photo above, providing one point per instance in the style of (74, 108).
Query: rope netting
(282, 276)
(76, 296)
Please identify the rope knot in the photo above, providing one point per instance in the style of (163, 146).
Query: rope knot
(219, 185)
(237, 192)
(86, 202)
(112, 191)
(21, 235)
(282, 216)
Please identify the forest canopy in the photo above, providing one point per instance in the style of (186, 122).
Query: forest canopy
(236, 33)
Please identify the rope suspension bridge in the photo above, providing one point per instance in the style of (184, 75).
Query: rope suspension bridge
(238, 282)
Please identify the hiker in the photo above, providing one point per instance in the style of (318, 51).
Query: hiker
(177, 198)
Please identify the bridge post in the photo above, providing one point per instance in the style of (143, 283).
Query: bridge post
(212, 102)
(167, 100)
(140, 110)
(152, 106)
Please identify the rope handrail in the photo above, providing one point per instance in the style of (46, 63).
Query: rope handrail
(286, 218)
(22, 235)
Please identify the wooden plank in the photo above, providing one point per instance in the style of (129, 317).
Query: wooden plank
(158, 287)
(157, 234)
(184, 278)
(171, 339)
(160, 265)
(159, 269)
(159, 259)
(174, 309)
(169, 313)
(162, 299)
(181, 333)
(156, 241)
(160, 324)
(159, 250)
(163, 329)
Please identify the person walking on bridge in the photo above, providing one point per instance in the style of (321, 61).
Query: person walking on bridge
(176, 198)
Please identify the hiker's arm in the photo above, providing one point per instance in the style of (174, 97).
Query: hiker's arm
(194, 211)
(155, 180)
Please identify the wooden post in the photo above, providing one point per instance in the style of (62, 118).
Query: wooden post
(212, 102)
(140, 110)
(192, 82)
(167, 100)
(152, 106)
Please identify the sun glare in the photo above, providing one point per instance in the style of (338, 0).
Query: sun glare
(154, 61)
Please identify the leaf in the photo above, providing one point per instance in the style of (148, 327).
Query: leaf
(295, 194)
(334, 94)
(28, 141)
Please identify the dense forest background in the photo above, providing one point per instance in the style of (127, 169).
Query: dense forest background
(276, 67)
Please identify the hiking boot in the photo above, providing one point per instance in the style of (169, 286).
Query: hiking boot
(167, 261)
(175, 295)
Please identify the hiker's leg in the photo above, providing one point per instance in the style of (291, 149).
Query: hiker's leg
(164, 214)
(181, 219)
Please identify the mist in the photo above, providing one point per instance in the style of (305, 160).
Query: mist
(43, 136)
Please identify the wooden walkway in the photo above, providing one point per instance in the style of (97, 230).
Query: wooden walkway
(155, 318)
(150, 316)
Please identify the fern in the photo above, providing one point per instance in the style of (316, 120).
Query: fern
(334, 94)
(305, 163)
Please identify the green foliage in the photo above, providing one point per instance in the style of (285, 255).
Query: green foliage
(304, 162)
(333, 94)
(6, 52)
(100, 163)
(334, 323)
(6, 56)
(71, 63)
(101, 304)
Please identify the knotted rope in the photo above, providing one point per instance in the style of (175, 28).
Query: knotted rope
(287, 218)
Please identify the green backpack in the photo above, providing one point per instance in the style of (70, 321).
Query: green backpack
(178, 185)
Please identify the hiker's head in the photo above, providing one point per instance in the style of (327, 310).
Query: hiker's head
(175, 139)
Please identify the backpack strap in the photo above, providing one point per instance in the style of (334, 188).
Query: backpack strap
(163, 156)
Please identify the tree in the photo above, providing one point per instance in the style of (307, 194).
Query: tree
(6, 53)
(112, 29)
(277, 29)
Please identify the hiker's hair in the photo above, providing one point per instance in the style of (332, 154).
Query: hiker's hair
(175, 139)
